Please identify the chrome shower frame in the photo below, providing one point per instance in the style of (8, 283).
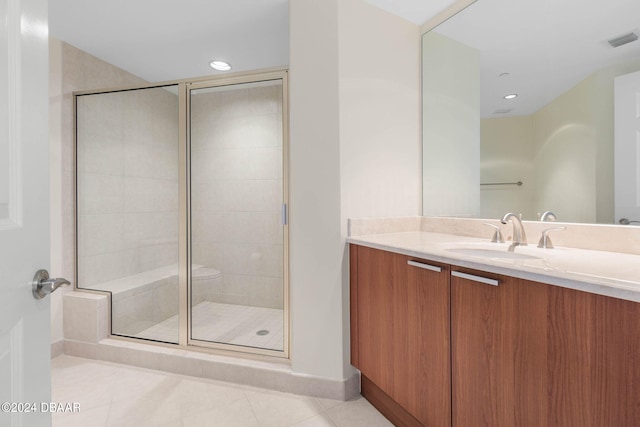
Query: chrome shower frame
(184, 277)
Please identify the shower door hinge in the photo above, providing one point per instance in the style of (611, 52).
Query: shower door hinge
(285, 217)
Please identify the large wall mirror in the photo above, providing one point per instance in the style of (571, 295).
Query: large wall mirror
(518, 108)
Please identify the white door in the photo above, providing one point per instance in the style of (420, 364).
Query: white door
(24, 217)
(627, 149)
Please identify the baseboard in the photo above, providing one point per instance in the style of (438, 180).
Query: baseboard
(386, 405)
(57, 348)
(258, 373)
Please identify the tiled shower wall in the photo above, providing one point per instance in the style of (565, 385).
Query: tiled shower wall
(127, 183)
(71, 70)
(257, 281)
(236, 139)
(79, 71)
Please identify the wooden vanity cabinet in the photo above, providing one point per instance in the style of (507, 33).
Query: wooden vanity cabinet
(436, 349)
(498, 350)
(400, 335)
(530, 354)
(594, 359)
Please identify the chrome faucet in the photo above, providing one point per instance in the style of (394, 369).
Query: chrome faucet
(519, 236)
(548, 216)
(545, 240)
(497, 234)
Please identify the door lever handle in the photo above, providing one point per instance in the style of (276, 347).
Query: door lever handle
(42, 285)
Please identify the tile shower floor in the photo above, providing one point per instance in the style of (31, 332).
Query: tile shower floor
(227, 323)
(118, 395)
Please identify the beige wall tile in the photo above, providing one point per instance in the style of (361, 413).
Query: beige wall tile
(252, 195)
(150, 195)
(100, 233)
(207, 196)
(258, 260)
(252, 227)
(100, 194)
(252, 163)
(81, 313)
(208, 254)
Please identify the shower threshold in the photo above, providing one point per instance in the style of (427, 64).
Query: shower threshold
(234, 324)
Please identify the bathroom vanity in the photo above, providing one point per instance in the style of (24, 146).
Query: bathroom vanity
(447, 333)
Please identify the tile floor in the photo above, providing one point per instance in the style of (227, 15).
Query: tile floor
(226, 323)
(118, 395)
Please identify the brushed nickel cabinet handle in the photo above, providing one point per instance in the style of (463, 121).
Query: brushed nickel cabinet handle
(425, 266)
(473, 277)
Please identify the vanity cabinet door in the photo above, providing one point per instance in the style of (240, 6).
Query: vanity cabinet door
(529, 354)
(379, 275)
(401, 335)
(422, 343)
(499, 351)
(593, 360)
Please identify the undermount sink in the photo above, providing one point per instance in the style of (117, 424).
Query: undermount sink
(484, 252)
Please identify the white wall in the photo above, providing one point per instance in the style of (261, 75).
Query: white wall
(316, 246)
(565, 157)
(355, 151)
(451, 127)
(379, 86)
(506, 155)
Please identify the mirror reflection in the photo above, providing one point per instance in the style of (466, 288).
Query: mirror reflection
(523, 92)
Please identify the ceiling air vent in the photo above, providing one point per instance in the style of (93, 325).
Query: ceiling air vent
(627, 38)
(505, 111)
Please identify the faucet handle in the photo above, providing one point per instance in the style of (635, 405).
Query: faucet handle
(545, 240)
(548, 216)
(497, 235)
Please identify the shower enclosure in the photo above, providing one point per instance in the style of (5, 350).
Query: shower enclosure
(181, 198)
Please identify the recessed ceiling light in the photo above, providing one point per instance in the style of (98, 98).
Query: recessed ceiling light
(220, 65)
(511, 96)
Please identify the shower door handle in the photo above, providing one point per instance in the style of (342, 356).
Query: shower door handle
(284, 214)
(42, 285)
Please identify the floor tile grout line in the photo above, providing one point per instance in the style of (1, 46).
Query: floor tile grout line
(255, 416)
(329, 411)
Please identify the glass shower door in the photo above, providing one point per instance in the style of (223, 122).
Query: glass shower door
(127, 207)
(238, 236)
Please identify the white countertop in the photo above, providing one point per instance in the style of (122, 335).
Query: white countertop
(612, 274)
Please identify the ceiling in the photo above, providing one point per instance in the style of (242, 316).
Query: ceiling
(546, 46)
(416, 11)
(161, 40)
